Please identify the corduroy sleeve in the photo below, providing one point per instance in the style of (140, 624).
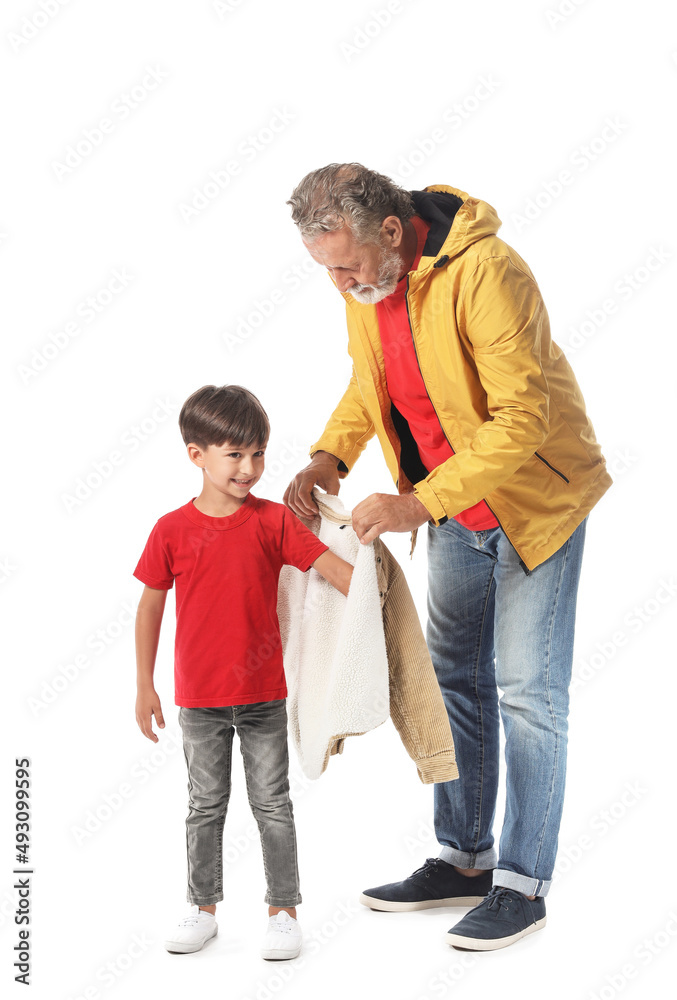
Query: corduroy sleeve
(416, 704)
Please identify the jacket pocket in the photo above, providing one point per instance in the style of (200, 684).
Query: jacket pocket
(551, 467)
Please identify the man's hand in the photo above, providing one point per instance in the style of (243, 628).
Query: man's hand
(322, 471)
(382, 512)
(147, 706)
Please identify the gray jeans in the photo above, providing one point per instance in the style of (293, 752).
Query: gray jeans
(207, 744)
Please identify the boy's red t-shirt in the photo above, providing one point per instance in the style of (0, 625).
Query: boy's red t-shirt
(228, 648)
(407, 390)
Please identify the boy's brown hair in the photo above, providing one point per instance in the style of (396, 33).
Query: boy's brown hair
(227, 413)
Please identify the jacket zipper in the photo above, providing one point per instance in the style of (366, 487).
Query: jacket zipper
(552, 467)
(411, 330)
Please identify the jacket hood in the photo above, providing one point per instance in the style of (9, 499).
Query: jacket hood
(456, 222)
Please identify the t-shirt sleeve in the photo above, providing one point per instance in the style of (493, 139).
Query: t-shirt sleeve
(153, 567)
(300, 547)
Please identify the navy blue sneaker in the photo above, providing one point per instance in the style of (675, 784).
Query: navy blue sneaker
(436, 883)
(502, 918)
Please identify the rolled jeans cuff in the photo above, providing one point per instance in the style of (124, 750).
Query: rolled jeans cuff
(204, 900)
(281, 901)
(522, 883)
(485, 859)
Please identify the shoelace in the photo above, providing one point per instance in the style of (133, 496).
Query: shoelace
(275, 925)
(501, 898)
(430, 863)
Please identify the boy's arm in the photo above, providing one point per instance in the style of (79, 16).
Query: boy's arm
(335, 570)
(147, 633)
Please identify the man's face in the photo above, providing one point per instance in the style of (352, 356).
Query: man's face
(369, 272)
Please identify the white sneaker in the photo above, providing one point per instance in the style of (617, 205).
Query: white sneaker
(192, 931)
(283, 937)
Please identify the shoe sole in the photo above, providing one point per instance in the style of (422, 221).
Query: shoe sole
(184, 948)
(395, 906)
(480, 944)
(276, 955)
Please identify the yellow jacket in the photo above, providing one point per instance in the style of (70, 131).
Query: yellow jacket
(505, 395)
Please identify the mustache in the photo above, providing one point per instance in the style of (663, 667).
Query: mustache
(386, 283)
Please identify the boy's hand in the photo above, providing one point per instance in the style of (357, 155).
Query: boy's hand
(147, 706)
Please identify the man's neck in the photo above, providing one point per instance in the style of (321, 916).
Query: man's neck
(409, 246)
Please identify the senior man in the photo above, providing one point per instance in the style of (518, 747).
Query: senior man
(484, 430)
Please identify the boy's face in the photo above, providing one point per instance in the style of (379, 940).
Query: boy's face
(230, 469)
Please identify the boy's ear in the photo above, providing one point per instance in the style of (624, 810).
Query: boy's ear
(196, 455)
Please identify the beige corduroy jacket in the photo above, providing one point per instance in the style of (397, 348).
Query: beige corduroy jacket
(416, 704)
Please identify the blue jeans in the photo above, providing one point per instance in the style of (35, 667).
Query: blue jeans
(208, 744)
(491, 626)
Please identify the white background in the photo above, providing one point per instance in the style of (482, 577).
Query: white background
(536, 89)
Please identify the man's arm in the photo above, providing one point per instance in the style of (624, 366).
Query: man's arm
(335, 570)
(147, 635)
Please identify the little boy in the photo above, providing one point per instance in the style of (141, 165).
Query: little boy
(225, 549)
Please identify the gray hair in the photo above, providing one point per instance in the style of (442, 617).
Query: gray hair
(347, 194)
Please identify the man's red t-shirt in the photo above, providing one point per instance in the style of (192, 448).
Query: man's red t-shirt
(407, 390)
(228, 648)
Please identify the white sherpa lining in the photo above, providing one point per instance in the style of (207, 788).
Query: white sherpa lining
(334, 646)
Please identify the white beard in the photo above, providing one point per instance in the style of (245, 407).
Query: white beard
(388, 275)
